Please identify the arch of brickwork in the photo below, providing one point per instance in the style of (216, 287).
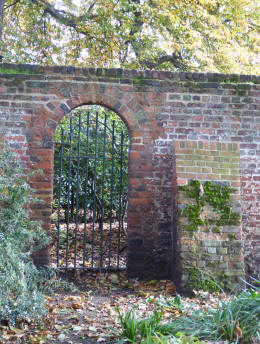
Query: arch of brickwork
(182, 125)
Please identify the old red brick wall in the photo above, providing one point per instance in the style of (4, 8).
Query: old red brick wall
(160, 109)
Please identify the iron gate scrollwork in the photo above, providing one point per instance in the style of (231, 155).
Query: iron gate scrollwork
(90, 191)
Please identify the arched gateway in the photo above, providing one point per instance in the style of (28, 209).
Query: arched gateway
(183, 126)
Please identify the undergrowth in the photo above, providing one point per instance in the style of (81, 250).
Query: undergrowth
(236, 321)
(22, 285)
(20, 297)
(204, 280)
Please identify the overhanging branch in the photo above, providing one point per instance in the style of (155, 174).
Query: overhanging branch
(174, 59)
(11, 5)
(68, 19)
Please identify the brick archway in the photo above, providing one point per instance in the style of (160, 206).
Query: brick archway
(178, 123)
(144, 239)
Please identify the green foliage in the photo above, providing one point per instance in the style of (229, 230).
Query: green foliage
(52, 281)
(235, 320)
(151, 329)
(20, 281)
(129, 324)
(170, 302)
(241, 312)
(205, 35)
(202, 280)
(215, 195)
(146, 330)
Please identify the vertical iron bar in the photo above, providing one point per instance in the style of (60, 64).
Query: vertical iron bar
(77, 194)
(94, 195)
(86, 195)
(102, 197)
(120, 198)
(68, 199)
(59, 198)
(111, 194)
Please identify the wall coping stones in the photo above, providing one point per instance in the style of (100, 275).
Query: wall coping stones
(127, 74)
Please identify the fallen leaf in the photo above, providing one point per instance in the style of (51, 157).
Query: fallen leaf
(152, 282)
(61, 337)
(76, 305)
(237, 334)
(77, 328)
(92, 328)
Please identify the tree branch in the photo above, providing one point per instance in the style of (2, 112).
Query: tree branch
(174, 59)
(11, 5)
(74, 21)
(65, 18)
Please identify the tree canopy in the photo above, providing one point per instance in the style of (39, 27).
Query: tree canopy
(195, 35)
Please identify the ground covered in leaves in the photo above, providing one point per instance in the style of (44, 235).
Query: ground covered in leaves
(89, 314)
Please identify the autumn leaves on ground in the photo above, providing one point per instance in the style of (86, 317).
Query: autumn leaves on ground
(88, 313)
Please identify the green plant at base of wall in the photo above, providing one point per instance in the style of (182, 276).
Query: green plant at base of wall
(218, 197)
(202, 280)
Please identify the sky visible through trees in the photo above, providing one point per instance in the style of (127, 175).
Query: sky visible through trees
(192, 35)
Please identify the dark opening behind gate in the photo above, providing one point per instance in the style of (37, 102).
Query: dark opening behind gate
(90, 190)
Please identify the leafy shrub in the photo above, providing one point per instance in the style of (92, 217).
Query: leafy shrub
(20, 296)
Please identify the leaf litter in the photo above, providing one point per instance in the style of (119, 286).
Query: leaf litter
(89, 314)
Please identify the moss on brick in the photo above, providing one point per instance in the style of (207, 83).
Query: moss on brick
(210, 194)
(13, 71)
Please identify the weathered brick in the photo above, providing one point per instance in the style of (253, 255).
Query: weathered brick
(214, 130)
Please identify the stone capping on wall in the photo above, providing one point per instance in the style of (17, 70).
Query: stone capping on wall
(123, 74)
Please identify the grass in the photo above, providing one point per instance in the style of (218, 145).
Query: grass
(236, 321)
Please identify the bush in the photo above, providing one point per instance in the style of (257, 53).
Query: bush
(20, 297)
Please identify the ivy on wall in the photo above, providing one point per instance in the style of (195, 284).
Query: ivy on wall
(216, 196)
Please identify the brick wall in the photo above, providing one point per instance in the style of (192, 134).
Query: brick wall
(216, 249)
(198, 113)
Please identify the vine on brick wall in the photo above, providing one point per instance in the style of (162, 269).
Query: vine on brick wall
(218, 197)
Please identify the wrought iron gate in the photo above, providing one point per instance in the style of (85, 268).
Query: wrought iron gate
(90, 192)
